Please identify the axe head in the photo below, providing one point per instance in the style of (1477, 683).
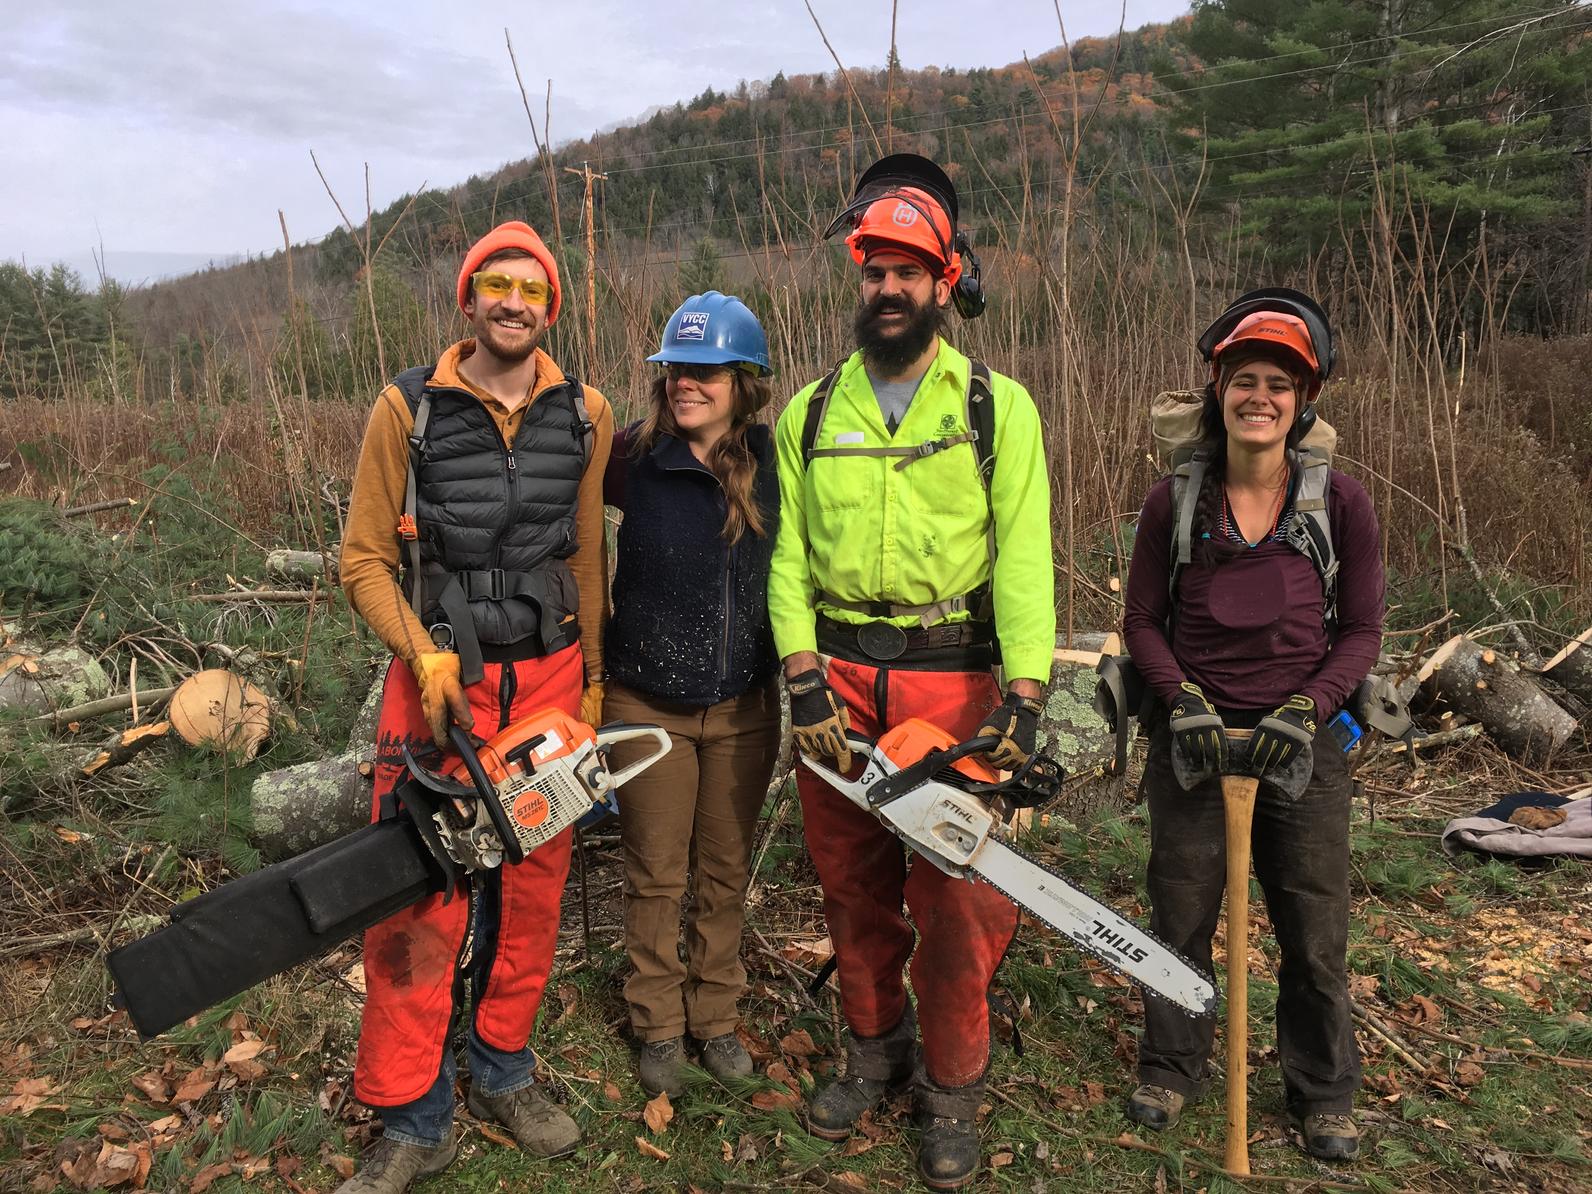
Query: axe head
(1290, 780)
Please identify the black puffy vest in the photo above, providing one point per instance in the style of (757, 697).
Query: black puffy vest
(690, 621)
(497, 522)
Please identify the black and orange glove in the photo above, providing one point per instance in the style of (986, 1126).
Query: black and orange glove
(442, 696)
(818, 718)
(1280, 738)
(1197, 732)
(1015, 721)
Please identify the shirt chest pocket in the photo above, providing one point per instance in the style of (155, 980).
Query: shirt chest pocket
(845, 483)
(945, 482)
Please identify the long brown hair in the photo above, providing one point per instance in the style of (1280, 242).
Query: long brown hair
(730, 460)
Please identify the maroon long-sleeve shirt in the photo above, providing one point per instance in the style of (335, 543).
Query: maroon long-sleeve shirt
(1249, 631)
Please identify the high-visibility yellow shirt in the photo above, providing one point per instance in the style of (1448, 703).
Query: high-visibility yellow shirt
(861, 530)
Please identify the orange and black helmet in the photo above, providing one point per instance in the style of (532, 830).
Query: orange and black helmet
(1286, 319)
(909, 221)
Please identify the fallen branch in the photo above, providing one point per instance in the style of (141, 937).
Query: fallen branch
(97, 507)
(1395, 746)
(1390, 1038)
(286, 595)
(33, 945)
(125, 747)
(149, 698)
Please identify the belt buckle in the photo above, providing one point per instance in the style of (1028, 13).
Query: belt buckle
(882, 640)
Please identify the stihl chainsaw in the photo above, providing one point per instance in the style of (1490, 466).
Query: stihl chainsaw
(950, 808)
(497, 803)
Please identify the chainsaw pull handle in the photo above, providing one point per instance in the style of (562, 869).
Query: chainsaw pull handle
(618, 731)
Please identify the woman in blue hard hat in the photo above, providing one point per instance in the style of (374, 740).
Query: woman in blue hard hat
(689, 648)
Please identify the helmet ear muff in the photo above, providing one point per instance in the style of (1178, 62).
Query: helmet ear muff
(968, 296)
(1303, 422)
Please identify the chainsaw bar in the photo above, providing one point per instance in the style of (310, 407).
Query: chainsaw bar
(1094, 927)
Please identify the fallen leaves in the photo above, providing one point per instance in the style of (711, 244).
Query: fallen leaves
(1468, 1073)
(647, 1149)
(658, 1113)
(28, 1095)
(798, 1044)
(112, 1166)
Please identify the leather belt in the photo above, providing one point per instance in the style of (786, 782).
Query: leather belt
(954, 646)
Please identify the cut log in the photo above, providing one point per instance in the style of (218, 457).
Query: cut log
(301, 566)
(54, 679)
(363, 731)
(1070, 731)
(1523, 720)
(218, 709)
(1571, 668)
(298, 808)
(126, 746)
(1085, 650)
(271, 595)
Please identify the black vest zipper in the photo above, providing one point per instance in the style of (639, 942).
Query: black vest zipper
(729, 614)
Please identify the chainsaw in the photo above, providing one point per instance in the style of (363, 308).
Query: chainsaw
(951, 809)
(501, 800)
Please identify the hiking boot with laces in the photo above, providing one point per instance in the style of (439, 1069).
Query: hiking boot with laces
(948, 1121)
(875, 1068)
(725, 1057)
(389, 1167)
(1155, 1107)
(540, 1126)
(659, 1068)
(1330, 1137)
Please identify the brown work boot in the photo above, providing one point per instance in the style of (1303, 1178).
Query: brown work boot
(725, 1057)
(1329, 1137)
(389, 1167)
(875, 1067)
(659, 1067)
(1156, 1107)
(540, 1126)
(948, 1119)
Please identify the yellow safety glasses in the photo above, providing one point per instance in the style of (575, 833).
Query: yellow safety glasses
(492, 285)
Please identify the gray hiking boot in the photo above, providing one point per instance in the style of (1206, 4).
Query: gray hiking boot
(389, 1167)
(725, 1057)
(1330, 1137)
(540, 1126)
(948, 1120)
(1156, 1107)
(875, 1067)
(660, 1070)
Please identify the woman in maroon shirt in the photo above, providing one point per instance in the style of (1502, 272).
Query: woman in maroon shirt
(1243, 643)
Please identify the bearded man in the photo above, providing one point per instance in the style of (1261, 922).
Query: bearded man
(898, 575)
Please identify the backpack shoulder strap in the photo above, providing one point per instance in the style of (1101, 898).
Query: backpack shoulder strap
(1188, 475)
(584, 427)
(981, 420)
(414, 385)
(1310, 533)
(817, 408)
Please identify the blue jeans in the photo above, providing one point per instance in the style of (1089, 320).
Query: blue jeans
(428, 1120)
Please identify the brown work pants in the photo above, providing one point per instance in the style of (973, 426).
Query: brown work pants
(692, 812)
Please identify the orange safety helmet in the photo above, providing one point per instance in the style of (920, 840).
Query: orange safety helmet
(1281, 330)
(910, 219)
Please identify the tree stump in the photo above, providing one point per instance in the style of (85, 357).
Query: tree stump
(1070, 731)
(1571, 668)
(1474, 680)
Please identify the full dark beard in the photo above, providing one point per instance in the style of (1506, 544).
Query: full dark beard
(891, 352)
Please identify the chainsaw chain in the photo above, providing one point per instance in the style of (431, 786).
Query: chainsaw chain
(1089, 946)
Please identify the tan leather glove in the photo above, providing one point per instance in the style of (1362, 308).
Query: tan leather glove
(591, 704)
(818, 718)
(441, 694)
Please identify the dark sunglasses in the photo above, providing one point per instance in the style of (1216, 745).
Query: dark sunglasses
(699, 373)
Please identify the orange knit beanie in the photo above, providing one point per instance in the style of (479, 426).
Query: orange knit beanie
(511, 235)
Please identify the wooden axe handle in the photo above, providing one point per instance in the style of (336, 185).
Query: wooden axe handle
(1238, 808)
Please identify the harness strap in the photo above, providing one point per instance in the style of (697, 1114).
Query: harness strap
(926, 615)
(417, 443)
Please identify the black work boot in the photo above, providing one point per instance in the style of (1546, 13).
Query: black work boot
(875, 1068)
(948, 1119)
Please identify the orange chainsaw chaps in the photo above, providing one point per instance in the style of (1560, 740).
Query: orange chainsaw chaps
(915, 738)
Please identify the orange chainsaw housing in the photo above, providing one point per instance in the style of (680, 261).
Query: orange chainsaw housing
(914, 738)
(539, 738)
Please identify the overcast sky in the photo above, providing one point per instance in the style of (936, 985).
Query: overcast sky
(172, 131)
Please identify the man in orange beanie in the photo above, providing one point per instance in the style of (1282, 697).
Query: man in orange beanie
(474, 549)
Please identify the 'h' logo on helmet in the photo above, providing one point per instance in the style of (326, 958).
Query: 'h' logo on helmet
(905, 214)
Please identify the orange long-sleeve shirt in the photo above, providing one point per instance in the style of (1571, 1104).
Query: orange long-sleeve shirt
(371, 555)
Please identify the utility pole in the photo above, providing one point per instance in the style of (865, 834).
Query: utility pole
(590, 177)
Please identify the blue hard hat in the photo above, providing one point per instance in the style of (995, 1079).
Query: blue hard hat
(714, 329)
